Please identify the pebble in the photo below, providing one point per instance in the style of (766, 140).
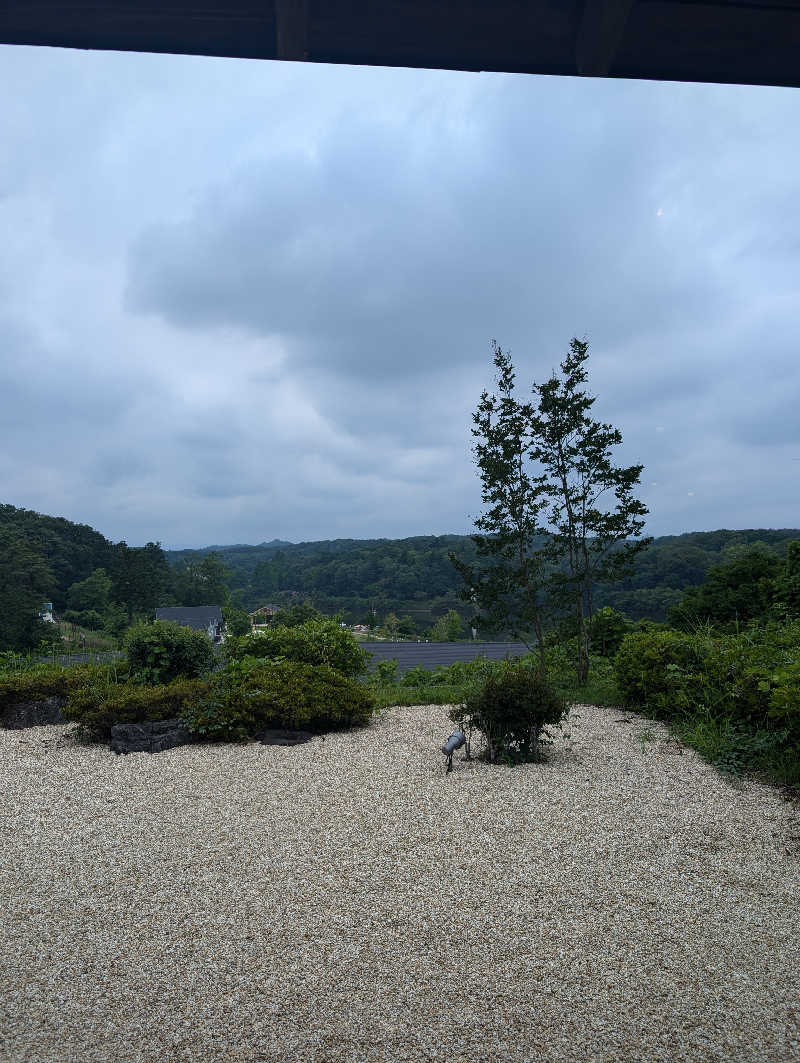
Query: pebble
(346, 900)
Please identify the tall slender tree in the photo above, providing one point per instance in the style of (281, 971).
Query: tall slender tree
(549, 535)
(507, 584)
(593, 541)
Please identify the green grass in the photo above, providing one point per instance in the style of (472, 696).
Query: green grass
(441, 694)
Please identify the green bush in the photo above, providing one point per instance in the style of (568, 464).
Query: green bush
(292, 615)
(97, 706)
(163, 651)
(749, 677)
(237, 621)
(47, 681)
(249, 695)
(312, 642)
(784, 702)
(510, 704)
(385, 673)
(652, 668)
(607, 630)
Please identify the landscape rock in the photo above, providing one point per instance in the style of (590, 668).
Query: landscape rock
(34, 713)
(281, 736)
(153, 737)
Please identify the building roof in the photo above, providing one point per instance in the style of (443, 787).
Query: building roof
(740, 41)
(196, 616)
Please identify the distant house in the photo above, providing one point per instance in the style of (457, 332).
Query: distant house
(264, 614)
(206, 618)
(46, 613)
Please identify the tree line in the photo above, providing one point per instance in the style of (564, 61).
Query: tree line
(95, 582)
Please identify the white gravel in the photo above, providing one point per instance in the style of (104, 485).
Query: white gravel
(345, 900)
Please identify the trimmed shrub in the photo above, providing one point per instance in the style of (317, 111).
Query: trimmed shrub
(312, 642)
(98, 706)
(511, 704)
(250, 695)
(163, 651)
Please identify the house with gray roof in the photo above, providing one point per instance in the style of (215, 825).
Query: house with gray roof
(206, 618)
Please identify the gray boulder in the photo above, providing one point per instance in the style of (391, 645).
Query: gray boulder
(153, 737)
(280, 736)
(34, 713)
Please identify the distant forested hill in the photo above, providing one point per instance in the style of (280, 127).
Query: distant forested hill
(103, 585)
(46, 558)
(414, 577)
(409, 576)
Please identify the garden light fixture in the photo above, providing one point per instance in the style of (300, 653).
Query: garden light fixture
(454, 742)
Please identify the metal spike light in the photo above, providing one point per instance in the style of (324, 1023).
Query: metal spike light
(454, 742)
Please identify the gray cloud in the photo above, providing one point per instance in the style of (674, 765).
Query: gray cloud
(247, 300)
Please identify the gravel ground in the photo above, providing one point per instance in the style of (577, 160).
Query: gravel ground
(345, 900)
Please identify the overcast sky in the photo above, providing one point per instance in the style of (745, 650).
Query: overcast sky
(246, 300)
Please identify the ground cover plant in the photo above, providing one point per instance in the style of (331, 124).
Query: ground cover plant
(45, 680)
(99, 704)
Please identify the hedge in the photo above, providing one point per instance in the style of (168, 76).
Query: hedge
(250, 695)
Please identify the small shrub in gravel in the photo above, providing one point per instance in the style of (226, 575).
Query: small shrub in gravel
(312, 642)
(163, 651)
(99, 706)
(510, 703)
(249, 695)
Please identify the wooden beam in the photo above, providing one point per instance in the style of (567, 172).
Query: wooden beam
(600, 35)
(291, 29)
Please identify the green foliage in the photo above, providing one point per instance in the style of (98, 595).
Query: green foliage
(98, 703)
(784, 700)
(741, 589)
(787, 583)
(294, 615)
(69, 554)
(438, 694)
(448, 628)
(650, 667)
(249, 695)
(26, 582)
(163, 651)
(237, 621)
(592, 541)
(511, 704)
(385, 673)
(202, 581)
(40, 681)
(92, 594)
(312, 642)
(549, 454)
(506, 585)
(750, 678)
(607, 630)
